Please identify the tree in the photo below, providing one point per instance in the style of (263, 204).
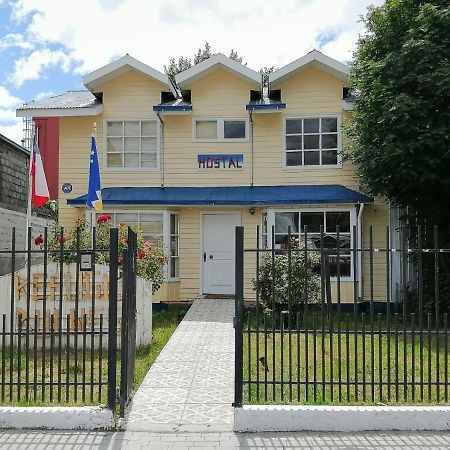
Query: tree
(184, 62)
(400, 131)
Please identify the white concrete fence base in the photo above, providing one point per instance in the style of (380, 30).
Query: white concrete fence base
(262, 418)
(57, 418)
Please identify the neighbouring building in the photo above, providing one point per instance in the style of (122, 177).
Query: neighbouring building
(188, 162)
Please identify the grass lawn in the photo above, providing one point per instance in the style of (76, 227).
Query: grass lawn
(77, 367)
(371, 369)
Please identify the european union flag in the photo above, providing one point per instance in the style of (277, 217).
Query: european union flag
(94, 195)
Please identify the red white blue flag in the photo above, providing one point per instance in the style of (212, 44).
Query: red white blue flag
(39, 187)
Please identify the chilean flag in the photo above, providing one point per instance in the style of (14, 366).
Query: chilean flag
(39, 188)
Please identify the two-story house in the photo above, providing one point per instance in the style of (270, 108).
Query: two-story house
(190, 162)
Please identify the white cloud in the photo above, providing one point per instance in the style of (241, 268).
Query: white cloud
(93, 32)
(13, 131)
(44, 94)
(15, 40)
(8, 100)
(10, 125)
(32, 66)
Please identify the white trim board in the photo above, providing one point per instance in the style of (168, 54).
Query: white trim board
(56, 418)
(262, 418)
(60, 112)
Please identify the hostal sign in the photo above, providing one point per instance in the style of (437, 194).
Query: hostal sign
(220, 161)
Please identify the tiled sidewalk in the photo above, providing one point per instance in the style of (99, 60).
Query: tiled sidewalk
(190, 385)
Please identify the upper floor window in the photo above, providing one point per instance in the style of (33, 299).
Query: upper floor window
(131, 144)
(221, 130)
(312, 141)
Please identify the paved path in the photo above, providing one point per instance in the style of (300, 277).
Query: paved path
(190, 385)
(52, 440)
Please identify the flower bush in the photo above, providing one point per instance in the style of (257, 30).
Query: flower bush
(150, 255)
(274, 278)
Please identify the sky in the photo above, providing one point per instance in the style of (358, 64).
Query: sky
(46, 46)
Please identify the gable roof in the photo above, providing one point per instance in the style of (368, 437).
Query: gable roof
(218, 60)
(112, 70)
(313, 58)
(71, 103)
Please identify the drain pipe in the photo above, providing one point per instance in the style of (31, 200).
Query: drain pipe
(251, 148)
(360, 253)
(161, 149)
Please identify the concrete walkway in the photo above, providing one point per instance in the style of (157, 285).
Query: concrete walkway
(190, 385)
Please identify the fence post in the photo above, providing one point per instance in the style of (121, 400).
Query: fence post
(238, 319)
(112, 316)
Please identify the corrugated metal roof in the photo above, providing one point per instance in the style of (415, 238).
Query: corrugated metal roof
(230, 195)
(68, 100)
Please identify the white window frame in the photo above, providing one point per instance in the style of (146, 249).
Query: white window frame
(338, 116)
(131, 169)
(220, 128)
(353, 222)
(90, 218)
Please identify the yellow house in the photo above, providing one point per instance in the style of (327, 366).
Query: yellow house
(189, 162)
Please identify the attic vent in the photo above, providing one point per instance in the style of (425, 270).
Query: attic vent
(275, 95)
(346, 93)
(167, 97)
(255, 95)
(186, 95)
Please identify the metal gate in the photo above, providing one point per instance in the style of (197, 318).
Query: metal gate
(128, 331)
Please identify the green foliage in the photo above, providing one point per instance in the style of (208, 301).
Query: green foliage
(274, 276)
(400, 131)
(150, 255)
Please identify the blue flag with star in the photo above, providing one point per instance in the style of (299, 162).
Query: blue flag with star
(94, 195)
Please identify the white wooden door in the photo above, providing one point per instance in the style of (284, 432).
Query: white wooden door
(218, 252)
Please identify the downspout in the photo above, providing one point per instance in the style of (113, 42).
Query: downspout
(251, 149)
(161, 149)
(360, 253)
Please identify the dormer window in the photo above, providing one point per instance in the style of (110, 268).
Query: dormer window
(225, 130)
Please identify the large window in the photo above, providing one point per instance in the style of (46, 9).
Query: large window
(132, 144)
(328, 221)
(221, 130)
(312, 141)
(158, 227)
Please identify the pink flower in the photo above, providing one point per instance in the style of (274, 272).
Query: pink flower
(148, 244)
(61, 240)
(141, 255)
(103, 218)
(120, 261)
(38, 240)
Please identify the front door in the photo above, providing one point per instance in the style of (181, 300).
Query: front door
(218, 252)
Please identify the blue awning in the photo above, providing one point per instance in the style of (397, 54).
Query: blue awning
(176, 106)
(236, 195)
(265, 105)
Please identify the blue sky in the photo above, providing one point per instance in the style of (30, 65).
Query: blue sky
(46, 46)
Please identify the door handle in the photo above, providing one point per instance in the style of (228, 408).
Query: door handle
(204, 256)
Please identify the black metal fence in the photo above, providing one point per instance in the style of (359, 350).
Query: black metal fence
(306, 334)
(60, 317)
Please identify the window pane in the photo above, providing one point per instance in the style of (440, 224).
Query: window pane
(329, 125)
(174, 268)
(312, 158)
(281, 241)
(148, 144)
(311, 142)
(294, 159)
(149, 160)
(341, 218)
(174, 246)
(127, 218)
(114, 128)
(206, 129)
(311, 125)
(264, 223)
(329, 140)
(294, 142)
(293, 126)
(132, 129)
(313, 220)
(152, 223)
(344, 266)
(148, 128)
(114, 160)
(234, 129)
(283, 220)
(115, 145)
(131, 160)
(329, 157)
(131, 145)
(174, 224)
